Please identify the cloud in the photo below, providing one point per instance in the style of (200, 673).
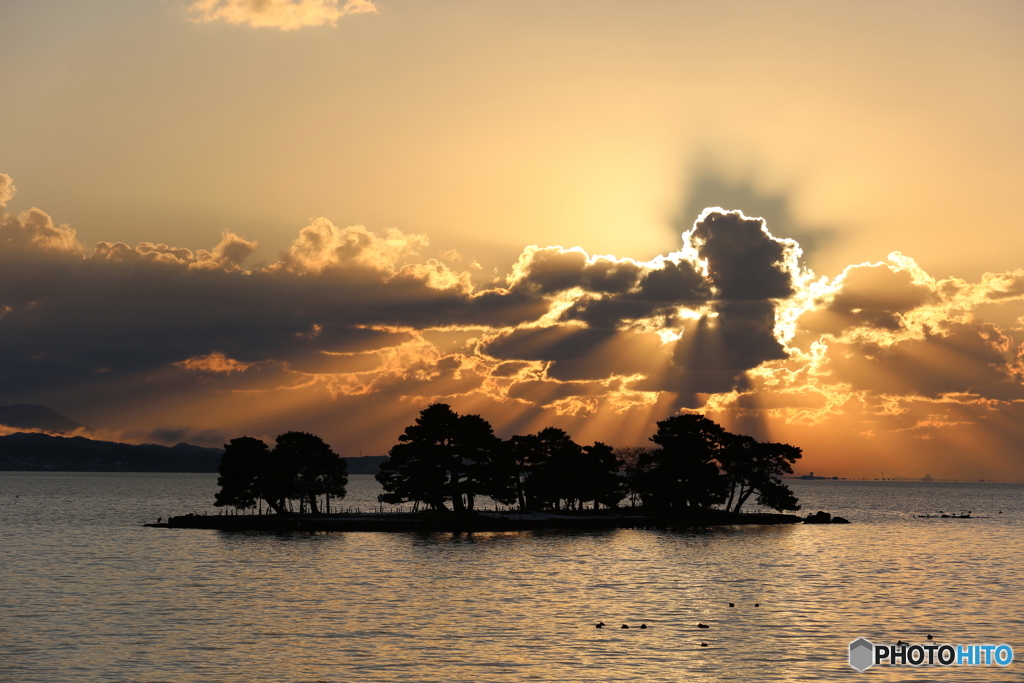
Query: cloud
(34, 229)
(348, 319)
(867, 296)
(969, 359)
(286, 15)
(711, 184)
(889, 328)
(714, 300)
(67, 311)
(228, 255)
(745, 261)
(580, 353)
(323, 246)
(7, 189)
(214, 362)
(688, 322)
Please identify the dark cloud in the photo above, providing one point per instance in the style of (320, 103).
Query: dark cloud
(544, 392)
(660, 290)
(961, 358)
(783, 399)
(68, 314)
(579, 353)
(710, 186)
(690, 389)
(741, 337)
(553, 269)
(871, 295)
(748, 272)
(510, 369)
(350, 324)
(338, 299)
(745, 262)
(426, 378)
(317, 362)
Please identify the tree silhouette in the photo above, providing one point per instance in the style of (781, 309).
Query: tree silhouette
(443, 457)
(509, 467)
(751, 466)
(683, 472)
(551, 478)
(550, 470)
(242, 469)
(599, 476)
(309, 468)
(633, 459)
(301, 467)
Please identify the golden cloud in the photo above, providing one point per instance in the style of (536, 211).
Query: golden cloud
(214, 362)
(286, 15)
(730, 323)
(7, 189)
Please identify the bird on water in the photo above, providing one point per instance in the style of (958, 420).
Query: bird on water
(599, 624)
(643, 625)
(625, 626)
(699, 625)
(703, 644)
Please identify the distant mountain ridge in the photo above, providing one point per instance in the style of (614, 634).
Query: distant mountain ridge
(34, 452)
(42, 452)
(365, 464)
(30, 416)
(30, 451)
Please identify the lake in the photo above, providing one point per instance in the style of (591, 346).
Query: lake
(88, 594)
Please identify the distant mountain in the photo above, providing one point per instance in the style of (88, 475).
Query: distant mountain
(42, 452)
(365, 464)
(28, 416)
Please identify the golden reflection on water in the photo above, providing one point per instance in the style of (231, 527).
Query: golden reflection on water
(104, 599)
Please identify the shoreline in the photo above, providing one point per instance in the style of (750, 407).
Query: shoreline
(432, 522)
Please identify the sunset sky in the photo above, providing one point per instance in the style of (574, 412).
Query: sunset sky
(228, 217)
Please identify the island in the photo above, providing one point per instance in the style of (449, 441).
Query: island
(698, 475)
(428, 522)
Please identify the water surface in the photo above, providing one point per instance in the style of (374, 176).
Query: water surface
(87, 594)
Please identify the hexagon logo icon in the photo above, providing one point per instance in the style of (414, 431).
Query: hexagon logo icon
(861, 654)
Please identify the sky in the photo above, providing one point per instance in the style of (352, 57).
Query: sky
(243, 217)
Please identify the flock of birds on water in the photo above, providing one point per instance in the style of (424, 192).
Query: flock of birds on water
(950, 515)
(700, 624)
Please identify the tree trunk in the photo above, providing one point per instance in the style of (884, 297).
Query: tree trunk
(744, 494)
(456, 494)
(276, 506)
